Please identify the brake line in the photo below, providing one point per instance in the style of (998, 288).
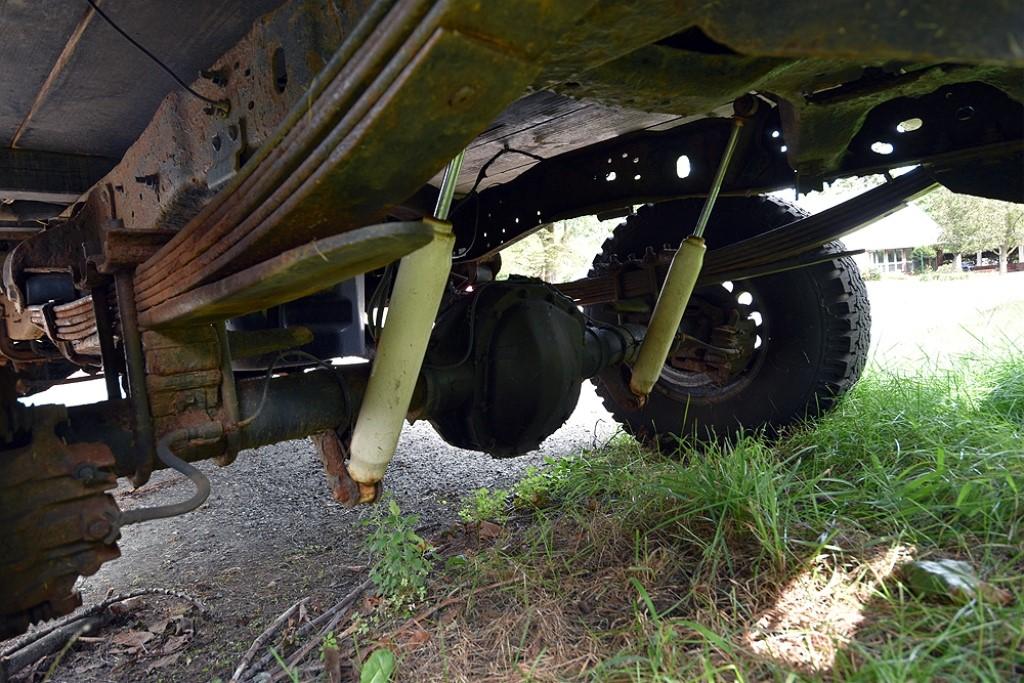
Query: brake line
(167, 457)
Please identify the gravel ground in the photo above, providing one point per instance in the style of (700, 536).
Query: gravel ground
(270, 534)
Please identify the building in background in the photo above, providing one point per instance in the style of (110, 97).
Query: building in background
(889, 243)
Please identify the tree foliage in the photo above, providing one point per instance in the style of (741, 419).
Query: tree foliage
(975, 224)
(558, 252)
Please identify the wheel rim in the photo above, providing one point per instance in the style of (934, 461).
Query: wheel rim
(731, 316)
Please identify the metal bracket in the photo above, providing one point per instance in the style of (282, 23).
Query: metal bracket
(228, 141)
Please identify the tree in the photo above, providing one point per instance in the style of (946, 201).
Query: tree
(1001, 225)
(558, 252)
(976, 224)
(953, 213)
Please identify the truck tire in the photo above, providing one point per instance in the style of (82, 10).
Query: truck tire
(812, 331)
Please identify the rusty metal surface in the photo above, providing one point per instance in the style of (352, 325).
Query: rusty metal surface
(128, 248)
(892, 30)
(643, 167)
(14, 232)
(333, 456)
(309, 32)
(144, 441)
(63, 248)
(49, 484)
(325, 175)
(312, 170)
(256, 343)
(293, 274)
(73, 323)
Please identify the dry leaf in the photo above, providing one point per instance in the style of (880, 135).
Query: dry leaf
(132, 638)
(126, 606)
(158, 627)
(174, 644)
(415, 636)
(164, 661)
(488, 530)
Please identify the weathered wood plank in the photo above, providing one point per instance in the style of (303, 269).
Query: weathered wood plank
(48, 177)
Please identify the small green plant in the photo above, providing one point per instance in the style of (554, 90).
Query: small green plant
(360, 627)
(533, 490)
(401, 567)
(293, 674)
(539, 485)
(329, 642)
(485, 505)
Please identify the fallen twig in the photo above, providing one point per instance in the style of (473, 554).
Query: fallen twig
(331, 611)
(263, 639)
(301, 653)
(57, 639)
(25, 651)
(325, 622)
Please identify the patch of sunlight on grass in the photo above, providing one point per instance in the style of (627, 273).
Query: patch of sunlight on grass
(819, 611)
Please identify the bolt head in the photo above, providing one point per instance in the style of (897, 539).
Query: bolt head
(98, 529)
(462, 96)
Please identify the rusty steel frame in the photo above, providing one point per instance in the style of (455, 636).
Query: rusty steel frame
(430, 54)
(643, 166)
(377, 48)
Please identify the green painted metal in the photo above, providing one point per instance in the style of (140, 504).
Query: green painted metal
(292, 275)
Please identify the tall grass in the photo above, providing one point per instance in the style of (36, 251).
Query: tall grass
(768, 560)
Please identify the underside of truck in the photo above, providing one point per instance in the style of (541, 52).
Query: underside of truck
(203, 203)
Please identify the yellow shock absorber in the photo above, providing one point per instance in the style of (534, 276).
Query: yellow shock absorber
(677, 289)
(668, 313)
(403, 343)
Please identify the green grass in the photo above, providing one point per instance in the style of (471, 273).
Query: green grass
(761, 561)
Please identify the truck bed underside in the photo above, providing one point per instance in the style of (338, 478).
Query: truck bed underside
(77, 94)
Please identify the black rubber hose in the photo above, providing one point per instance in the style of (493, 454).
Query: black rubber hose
(167, 457)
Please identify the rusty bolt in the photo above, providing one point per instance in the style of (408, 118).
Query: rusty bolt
(86, 472)
(461, 96)
(97, 530)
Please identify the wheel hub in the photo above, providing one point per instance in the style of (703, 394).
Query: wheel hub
(59, 521)
(720, 344)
